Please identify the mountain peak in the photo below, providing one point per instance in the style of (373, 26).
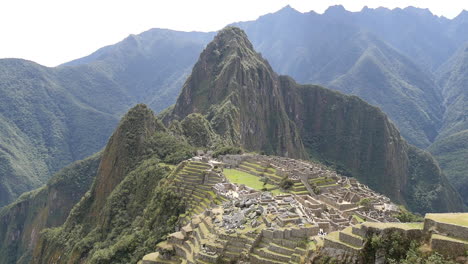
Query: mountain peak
(232, 35)
(288, 10)
(463, 15)
(224, 60)
(123, 151)
(418, 11)
(336, 9)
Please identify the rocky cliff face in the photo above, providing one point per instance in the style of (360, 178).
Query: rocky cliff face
(349, 133)
(245, 101)
(237, 89)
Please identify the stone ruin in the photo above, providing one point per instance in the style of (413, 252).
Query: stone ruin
(238, 223)
(337, 193)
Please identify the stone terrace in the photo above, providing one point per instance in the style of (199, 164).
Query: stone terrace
(195, 179)
(445, 233)
(227, 222)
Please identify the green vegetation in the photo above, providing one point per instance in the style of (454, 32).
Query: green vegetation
(404, 226)
(51, 117)
(428, 185)
(394, 246)
(407, 254)
(119, 219)
(451, 146)
(454, 218)
(169, 149)
(224, 150)
(414, 256)
(45, 207)
(239, 101)
(451, 152)
(252, 181)
(198, 131)
(358, 218)
(321, 181)
(366, 203)
(406, 216)
(317, 130)
(131, 217)
(286, 183)
(171, 166)
(61, 124)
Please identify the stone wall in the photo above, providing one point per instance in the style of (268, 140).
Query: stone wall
(449, 248)
(351, 240)
(457, 231)
(414, 234)
(328, 243)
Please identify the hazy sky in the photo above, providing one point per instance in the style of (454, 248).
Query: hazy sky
(52, 32)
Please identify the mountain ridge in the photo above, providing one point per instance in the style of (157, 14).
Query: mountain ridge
(278, 119)
(61, 114)
(158, 85)
(240, 101)
(51, 120)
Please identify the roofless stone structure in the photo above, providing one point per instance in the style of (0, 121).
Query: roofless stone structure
(266, 209)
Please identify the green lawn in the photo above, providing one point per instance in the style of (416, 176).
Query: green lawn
(454, 218)
(404, 226)
(324, 181)
(252, 181)
(358, 218)
(437, 236)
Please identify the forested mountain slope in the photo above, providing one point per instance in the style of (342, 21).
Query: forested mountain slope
(51, 117)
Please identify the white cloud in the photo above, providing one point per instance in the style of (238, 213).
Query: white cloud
(51, 32)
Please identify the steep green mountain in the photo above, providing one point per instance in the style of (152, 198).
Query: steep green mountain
(48, 206)
(48, 120)
(384, 78)
(128, 208)
(51, 117)
(452, 153)
(339, 50)
(248, 104)
(232, 97)
(453, 79)
(451, 146)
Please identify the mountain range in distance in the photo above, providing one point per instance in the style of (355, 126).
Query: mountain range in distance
(232, 100)
(407, 62)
